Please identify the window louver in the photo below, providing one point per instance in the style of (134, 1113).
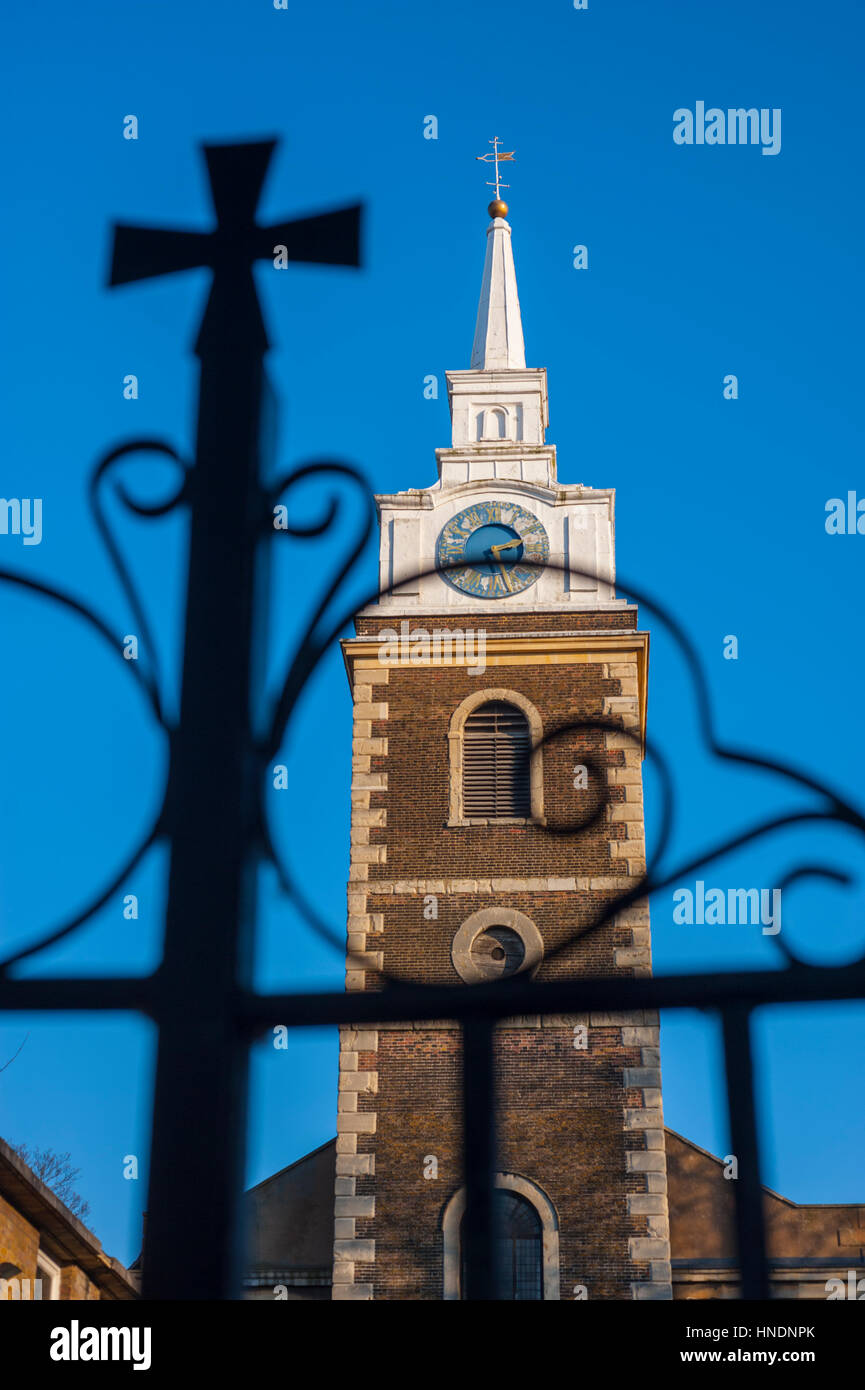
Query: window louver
(496, 754)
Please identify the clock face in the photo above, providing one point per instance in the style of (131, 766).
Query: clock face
(494, 539)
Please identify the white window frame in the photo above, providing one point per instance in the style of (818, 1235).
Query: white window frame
(49, 1273)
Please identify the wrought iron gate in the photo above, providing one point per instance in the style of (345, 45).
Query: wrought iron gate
(212, 818)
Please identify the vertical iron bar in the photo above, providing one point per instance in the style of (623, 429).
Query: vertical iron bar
(199, 1127)
(479, 1148)
(750, 1228)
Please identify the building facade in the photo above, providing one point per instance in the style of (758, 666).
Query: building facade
(499, 691)
(815, 1250)
(45, 1251)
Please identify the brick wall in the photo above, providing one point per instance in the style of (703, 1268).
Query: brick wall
(584, 1126)
(74, 1284)
(420, 703)
(19, 1241)
(560, 1118)
(19, 1245)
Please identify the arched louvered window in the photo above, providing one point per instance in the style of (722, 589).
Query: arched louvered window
(496, 762)
(519, 1249)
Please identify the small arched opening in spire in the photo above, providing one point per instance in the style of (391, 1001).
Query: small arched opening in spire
(493, 423)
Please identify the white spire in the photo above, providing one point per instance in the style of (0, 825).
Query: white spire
(499, 330)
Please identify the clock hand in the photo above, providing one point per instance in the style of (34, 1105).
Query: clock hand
(494, 550)
(505, 576)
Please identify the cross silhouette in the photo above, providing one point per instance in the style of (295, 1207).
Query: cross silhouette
(236, 173)
(216, 765)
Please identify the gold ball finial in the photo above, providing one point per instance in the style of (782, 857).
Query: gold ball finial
(498, 208)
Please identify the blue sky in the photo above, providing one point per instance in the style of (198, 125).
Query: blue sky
(703, 261)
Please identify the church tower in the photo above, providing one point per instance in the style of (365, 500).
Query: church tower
(498, 625)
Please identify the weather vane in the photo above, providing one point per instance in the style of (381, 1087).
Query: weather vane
(497, 208)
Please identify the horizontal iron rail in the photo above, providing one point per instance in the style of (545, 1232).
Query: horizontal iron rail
(502, 999)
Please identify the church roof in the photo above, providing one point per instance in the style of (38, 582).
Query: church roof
(290, 1216)
(289, 1224)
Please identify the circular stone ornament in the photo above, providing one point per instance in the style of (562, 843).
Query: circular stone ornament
(494, 943)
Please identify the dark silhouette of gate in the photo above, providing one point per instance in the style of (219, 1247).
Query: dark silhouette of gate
(212, 818)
